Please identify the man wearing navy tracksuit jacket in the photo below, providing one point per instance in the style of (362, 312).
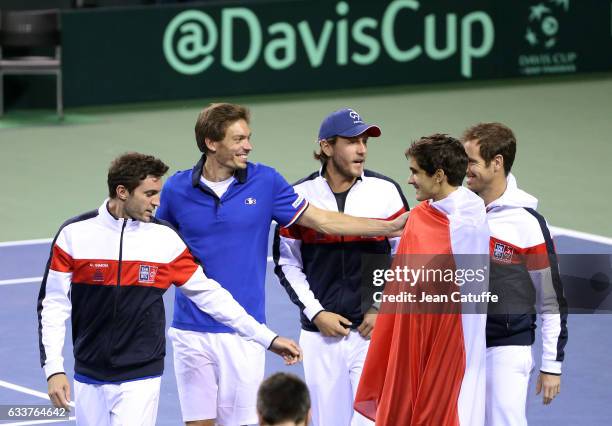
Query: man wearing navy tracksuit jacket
(524, 274)
(322, 273)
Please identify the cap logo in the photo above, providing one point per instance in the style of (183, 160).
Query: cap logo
(356, 118)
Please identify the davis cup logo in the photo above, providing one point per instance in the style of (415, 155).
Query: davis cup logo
(543, 27)
(548, 39)
(194, 40)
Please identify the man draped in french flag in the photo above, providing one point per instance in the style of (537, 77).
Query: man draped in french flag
(426, 361)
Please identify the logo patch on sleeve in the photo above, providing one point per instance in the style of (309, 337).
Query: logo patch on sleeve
(147, 274)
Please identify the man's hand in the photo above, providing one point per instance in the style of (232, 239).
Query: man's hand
(397, 225)
(331, 325)
(551, 384)
(367, 326)
(59, 390)
(287, 349)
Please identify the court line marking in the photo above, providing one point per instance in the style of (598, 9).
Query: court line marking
(28, 391)
(580, 235)
(23, 389)
(21, 281)
(26, 242)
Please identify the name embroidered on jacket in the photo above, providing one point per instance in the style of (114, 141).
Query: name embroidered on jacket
(98, 274)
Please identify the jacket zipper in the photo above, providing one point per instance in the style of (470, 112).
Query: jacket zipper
(117, 291)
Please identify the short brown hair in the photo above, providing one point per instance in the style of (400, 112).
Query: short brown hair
(321, 156)
(493, 139)
(440, 151)
(131, 168)
(214, 120)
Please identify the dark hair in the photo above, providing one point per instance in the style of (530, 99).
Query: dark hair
(131, 168)
(493, 139)
(214, 120)
(283, 397)
(321, 156)
(440, 151)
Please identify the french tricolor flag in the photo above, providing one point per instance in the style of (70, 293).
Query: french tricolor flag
(428, 367)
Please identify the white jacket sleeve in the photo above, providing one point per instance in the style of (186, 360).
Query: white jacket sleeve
(551, 318)
(550, 300)
(288, 268)
(217, 302)
(54, 308)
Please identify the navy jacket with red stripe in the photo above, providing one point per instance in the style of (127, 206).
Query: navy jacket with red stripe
(109, 276)
(525, 276)
(324, 272)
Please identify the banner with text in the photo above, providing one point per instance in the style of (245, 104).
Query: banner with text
(259, 47)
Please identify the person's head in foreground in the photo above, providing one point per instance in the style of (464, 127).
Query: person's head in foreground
(283, 400)
(437, 166)
(134, 185)
(343, 139)
(491, 148)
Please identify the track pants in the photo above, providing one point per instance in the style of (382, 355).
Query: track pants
(508, 371)
(125, 404)
(332, 368)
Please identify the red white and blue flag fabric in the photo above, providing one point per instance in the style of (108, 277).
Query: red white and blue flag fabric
(429, 368)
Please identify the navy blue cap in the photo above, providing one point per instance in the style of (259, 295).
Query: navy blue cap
(346, 122)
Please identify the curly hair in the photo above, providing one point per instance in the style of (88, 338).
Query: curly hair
(131, 168)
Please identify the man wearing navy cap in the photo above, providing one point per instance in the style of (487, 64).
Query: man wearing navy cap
(322, 271)
(223, 209)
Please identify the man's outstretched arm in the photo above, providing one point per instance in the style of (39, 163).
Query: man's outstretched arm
(217, 302)
(335, 223)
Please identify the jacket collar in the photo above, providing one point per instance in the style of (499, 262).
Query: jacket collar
(111, 221)
(513, 197)
(240, 174)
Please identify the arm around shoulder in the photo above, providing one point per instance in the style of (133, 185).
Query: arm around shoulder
(335, 223)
